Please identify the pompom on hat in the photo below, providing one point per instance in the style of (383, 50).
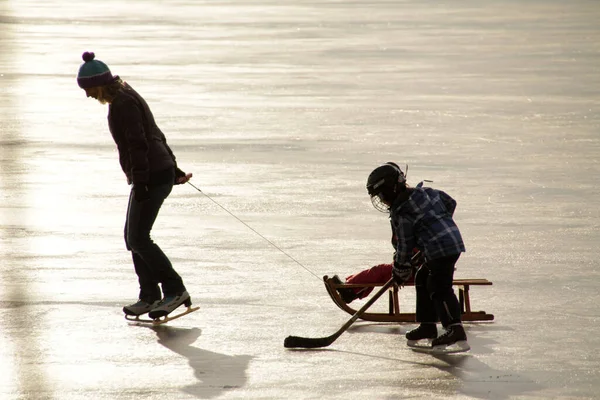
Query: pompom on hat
(93, 72)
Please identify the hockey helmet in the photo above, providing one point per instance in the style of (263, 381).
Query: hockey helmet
(383, 184)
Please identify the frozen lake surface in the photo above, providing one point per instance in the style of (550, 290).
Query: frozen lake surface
(281, 110)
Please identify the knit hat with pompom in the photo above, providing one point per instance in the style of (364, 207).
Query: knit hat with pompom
(93, 72)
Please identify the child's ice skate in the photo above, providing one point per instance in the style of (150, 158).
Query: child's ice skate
(454, 340)
(168, 305)
(424, 332)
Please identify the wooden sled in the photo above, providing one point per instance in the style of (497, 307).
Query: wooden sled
(394, 314)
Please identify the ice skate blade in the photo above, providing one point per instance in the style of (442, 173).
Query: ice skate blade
(422, 343)
(458, 347)
(160, 321)
(167, 318)
(136, 318)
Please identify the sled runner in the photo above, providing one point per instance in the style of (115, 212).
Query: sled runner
(394, 314)
(160, 321)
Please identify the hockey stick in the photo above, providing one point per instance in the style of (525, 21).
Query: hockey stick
(312, 343)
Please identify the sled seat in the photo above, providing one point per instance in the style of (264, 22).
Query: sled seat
(395, 315)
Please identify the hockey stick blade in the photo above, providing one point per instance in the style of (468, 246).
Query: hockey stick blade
(313, 343)
(292, 342)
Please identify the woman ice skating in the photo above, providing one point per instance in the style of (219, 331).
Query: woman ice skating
(151, 170)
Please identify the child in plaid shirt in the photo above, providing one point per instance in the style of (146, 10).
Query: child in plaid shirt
(421, 218)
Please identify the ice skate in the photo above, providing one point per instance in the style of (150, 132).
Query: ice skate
(133, 311)
(422, 335)
(454, 340)
(168, 305)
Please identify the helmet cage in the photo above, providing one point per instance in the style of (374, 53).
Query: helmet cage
(379, 204)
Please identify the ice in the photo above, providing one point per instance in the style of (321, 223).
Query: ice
(281, 110)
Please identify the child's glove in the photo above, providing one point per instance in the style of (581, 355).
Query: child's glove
(401, 273)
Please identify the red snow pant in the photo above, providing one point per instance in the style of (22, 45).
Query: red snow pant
(378, 274)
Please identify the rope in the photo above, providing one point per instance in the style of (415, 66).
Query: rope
(254, 230)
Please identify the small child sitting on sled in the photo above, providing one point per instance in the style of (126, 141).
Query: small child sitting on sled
(378, 274)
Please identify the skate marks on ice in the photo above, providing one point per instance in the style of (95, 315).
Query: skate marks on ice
(478, 378)
(160, 321)
(215, 372)
(18, 324)
(482, 381)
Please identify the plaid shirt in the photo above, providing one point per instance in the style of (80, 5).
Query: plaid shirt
(425, 221)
